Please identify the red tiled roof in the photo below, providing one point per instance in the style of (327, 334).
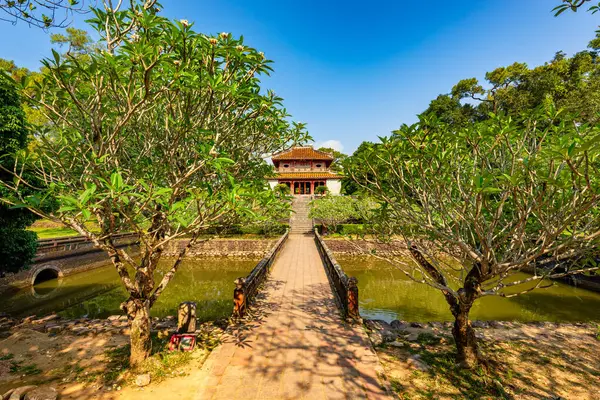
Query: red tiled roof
(302, 153)
(305, 175)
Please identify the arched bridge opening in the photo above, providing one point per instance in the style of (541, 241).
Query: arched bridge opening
(45, 273)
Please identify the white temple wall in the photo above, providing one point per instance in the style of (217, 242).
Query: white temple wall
(334, 186)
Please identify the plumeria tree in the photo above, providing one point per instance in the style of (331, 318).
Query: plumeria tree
(575, 5)
(162, 133)
(477, 204)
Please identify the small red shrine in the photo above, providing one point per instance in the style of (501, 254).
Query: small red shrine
(303, 169)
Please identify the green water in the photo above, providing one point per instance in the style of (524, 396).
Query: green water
(98, 293)
(386, 293)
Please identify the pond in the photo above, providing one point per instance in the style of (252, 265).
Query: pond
(386, 293)
(99, 292)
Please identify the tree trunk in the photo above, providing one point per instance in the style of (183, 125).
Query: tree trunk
(138, 313)
(468, 355)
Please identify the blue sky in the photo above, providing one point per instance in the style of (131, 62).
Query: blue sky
(357, 70)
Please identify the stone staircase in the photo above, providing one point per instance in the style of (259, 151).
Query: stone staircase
(299, 221)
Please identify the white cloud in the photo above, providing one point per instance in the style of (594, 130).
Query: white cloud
(332, 144)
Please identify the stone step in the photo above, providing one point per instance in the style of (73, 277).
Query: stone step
(299, 221)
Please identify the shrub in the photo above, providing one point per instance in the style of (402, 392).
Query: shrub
(282, 190)
(351, 229)
(332, 210)
(321, 190)
(275, 228)
(345, 229)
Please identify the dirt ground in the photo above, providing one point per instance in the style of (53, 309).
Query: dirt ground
(525, 362)
(82, 367)
(528, 362)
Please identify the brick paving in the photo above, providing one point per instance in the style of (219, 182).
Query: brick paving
(297, 346)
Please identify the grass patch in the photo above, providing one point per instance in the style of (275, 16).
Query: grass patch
(161, 364)
(535, 356)
(28, 370)
(472, 384)
(428, 339)
(118, 363)
(512, 368)
(8, 356)
(50, 233)
(397, 386)
(79, 374)
(46, 229)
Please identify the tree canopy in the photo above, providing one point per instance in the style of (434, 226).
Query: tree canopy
(77, 41)
(570, 83)
(338, 158)
(17, 246)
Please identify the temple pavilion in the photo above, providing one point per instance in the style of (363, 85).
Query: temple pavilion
(303, 169)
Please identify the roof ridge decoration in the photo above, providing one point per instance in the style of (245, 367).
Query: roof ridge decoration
(302, 153)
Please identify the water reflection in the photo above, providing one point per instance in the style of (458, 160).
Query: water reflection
(98, 293)
(386, 293)
(46, 288)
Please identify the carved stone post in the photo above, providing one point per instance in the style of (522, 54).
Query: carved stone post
(186, 317)
(239, 298)
(353, 298)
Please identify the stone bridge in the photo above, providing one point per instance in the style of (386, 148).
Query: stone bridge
(295, 344)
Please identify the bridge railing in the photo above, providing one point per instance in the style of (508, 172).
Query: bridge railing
(49, 249)
(344, 287)
(246, 288)
(71, 240)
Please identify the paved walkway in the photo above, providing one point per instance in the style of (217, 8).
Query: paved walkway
(298, 348)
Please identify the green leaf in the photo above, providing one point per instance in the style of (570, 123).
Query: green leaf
(56, 56)
(87, 194)
(571, 148)
(491, 190)
(225, 160)
(116, 180)
(182, 221)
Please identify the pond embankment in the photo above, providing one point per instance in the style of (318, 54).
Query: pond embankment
(73, 255)
(225, 247)
(349, 247)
